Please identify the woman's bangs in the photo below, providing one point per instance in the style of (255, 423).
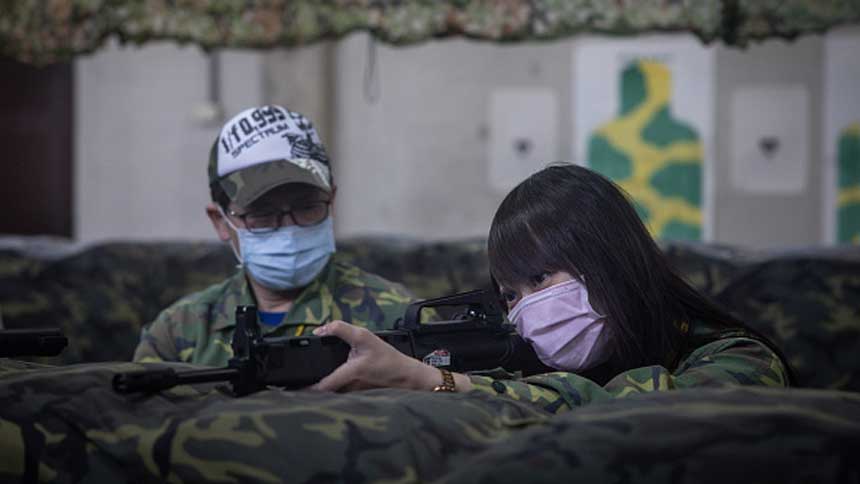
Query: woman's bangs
(514, 253)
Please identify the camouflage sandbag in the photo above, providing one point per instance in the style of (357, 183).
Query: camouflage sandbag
(708, 267)
(429, 270)
(13, 264)
(809, 305)
(101, 296)
(736, 434)
(20, 290)
(439, 268)
(65, 424)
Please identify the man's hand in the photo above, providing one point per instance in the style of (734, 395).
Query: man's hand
(373, 363)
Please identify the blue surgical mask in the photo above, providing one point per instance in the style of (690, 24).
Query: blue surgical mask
(287, 258)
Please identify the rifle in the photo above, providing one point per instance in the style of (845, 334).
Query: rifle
(476, 340)
(31, 342)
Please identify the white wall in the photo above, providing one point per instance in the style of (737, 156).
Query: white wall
(140, 148)
(302, 79)
(761, 218)
(415, 162)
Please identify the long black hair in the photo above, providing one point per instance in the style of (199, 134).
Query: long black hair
(569, 218)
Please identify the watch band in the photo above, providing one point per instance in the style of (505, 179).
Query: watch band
(448, 384)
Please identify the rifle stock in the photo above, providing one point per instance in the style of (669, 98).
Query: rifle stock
(31, 342)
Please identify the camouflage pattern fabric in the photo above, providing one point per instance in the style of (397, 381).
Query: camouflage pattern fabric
(727, 361)
(65, 424)
(13, 264)
(109, 291)
(199, 328)
(102, 296)
(809, 305)
(748, 434)
(439, 268)
(42, 32)
(427, 269)
(708, 267)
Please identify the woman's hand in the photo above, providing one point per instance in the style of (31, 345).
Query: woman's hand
(373, 363)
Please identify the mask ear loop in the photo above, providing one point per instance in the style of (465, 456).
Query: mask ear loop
(582, 280)
(236, 252)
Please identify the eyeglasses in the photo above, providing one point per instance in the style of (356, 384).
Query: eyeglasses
(304, 214)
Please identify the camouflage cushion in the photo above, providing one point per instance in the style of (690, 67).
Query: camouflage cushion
(809, 305)
(748, 434)
(107, 292)
(65, 424)
(428, 269)
(708, 267)
(100, 296)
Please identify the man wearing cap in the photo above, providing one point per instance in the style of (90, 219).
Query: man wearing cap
(272, 193)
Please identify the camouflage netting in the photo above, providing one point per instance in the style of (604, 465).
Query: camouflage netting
(41, 32)
(65, 424)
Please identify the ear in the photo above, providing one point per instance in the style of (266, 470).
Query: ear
(221, 227)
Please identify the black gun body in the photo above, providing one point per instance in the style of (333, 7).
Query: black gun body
(300, 361)
(480, 341)
(31, 342)
(461, 346)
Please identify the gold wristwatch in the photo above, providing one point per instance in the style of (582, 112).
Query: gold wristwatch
(448, 384)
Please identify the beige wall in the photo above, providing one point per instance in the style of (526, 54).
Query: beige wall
(769, 220)
(142, 142)
(415, 161)
(412, 163)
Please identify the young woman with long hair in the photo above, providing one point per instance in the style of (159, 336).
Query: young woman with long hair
(588, 287)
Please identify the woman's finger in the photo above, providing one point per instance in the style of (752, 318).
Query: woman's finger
(347, 332)
(338, 379)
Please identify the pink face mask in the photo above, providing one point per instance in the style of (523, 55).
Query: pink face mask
(565, 331)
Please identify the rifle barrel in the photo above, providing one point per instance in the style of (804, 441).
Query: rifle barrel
(164, 378)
